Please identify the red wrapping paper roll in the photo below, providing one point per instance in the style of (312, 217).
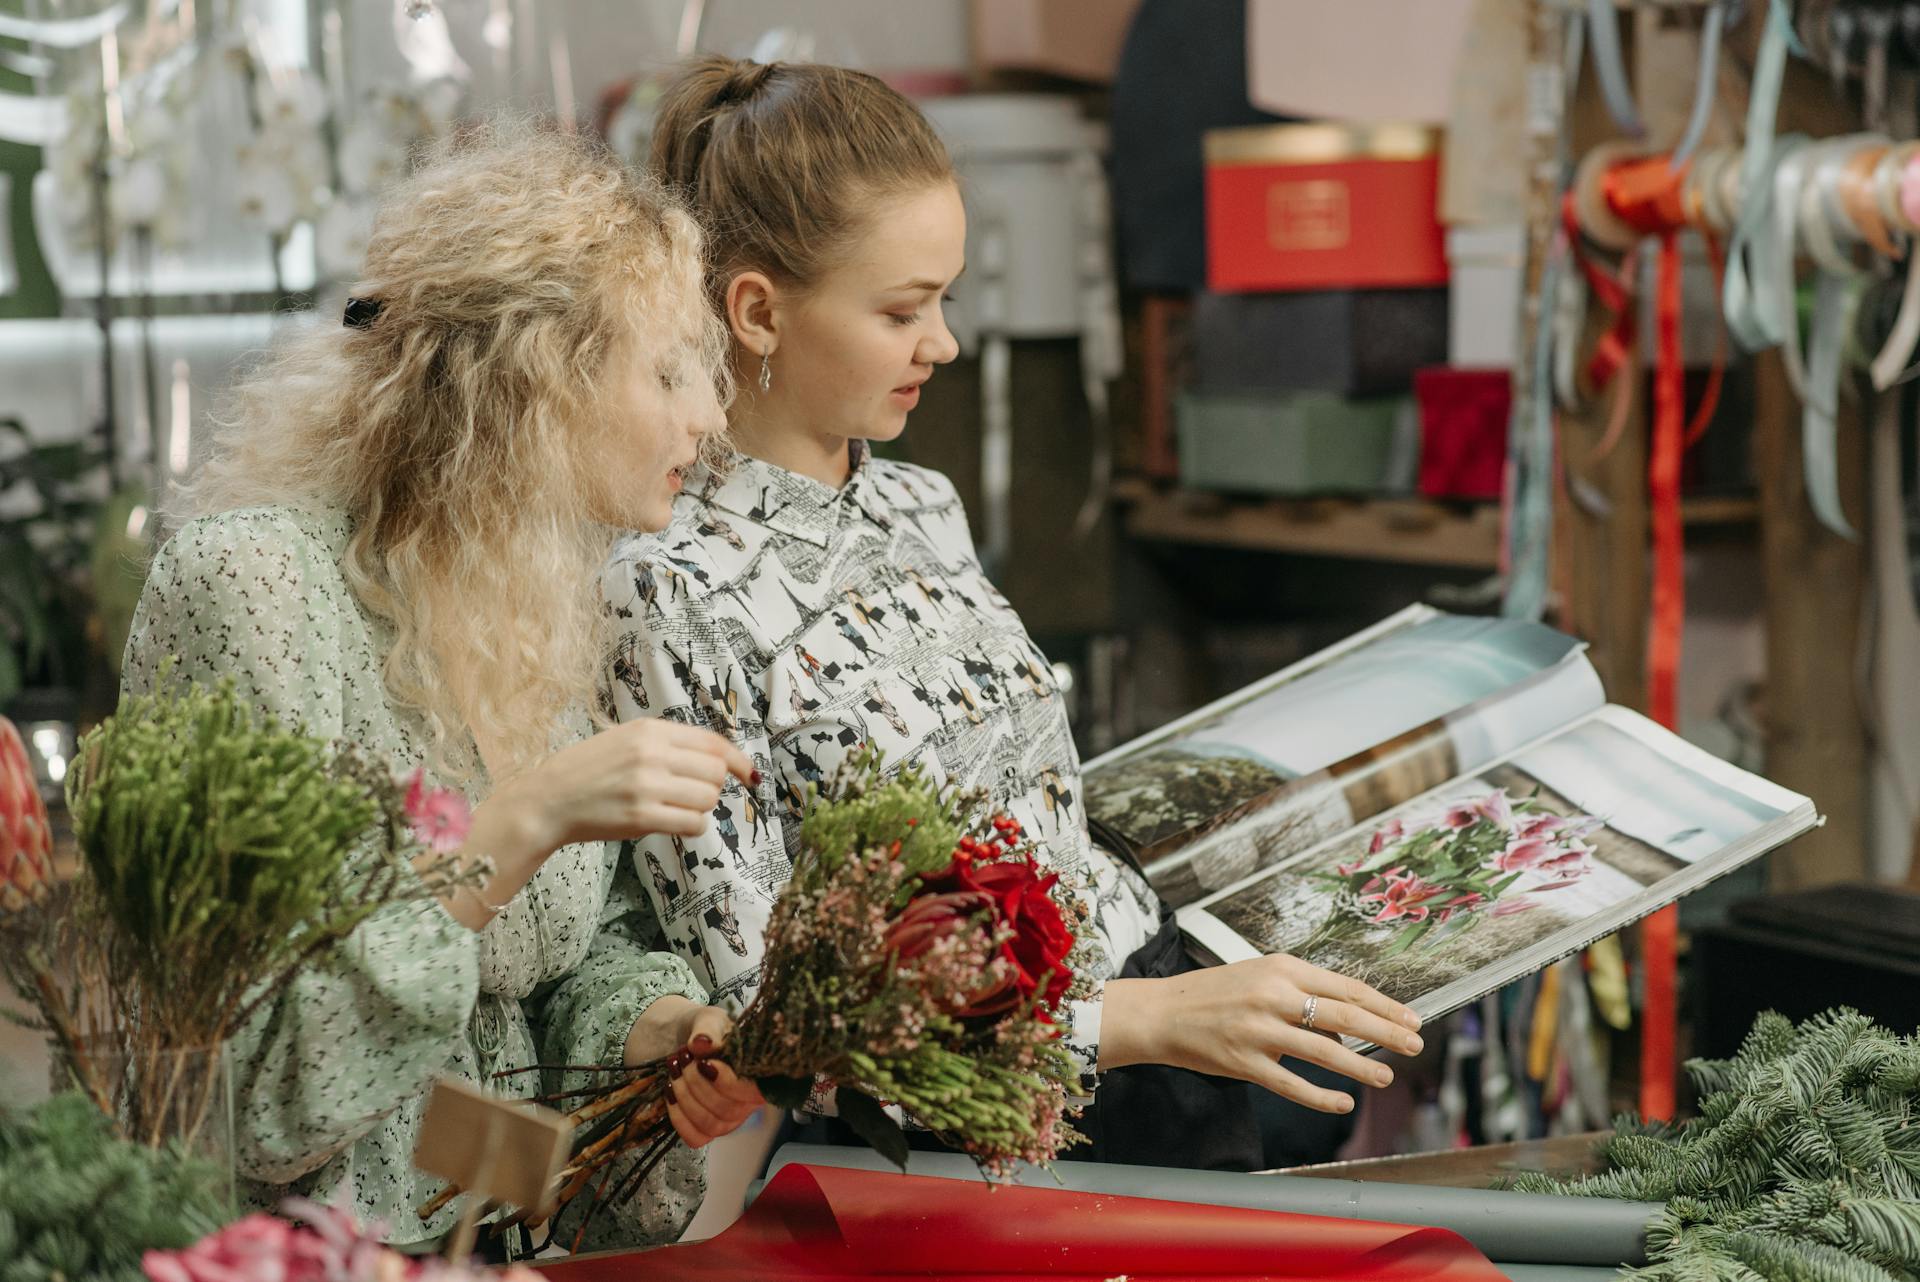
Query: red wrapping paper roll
(817, 1223)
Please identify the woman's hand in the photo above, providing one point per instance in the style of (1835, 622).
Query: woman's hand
(640, 777)
(705, 1098)
(637, 778)
(1239, 1020)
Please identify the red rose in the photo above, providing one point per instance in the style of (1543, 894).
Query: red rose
(1020, 898)
(929, 918)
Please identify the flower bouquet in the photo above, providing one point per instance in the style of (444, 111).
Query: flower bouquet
(1426, 878)
(918, 956)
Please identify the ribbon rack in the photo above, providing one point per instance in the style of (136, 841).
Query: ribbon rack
(1790, 161)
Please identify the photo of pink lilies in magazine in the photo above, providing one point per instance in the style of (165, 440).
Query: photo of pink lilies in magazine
(1427, 877)
(1499, 870)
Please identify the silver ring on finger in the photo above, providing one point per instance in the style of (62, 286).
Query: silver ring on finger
(1308, 1011)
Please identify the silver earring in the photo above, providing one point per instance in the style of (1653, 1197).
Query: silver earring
(766, 373)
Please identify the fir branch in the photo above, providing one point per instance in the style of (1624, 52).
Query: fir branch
(1802, 1166)
(82, 1203)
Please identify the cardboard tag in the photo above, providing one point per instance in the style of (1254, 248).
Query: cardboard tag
(498, 1150)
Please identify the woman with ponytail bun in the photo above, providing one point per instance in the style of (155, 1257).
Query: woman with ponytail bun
(808, 598)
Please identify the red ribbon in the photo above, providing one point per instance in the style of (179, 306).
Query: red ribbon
(1648, 195)
(1611, 290)
(812, 1223)
(1659, 944)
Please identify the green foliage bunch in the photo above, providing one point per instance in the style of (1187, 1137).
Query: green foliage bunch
(1804, 1163)
(869, 809)
(79, 1204)
(218, 846)
(221, 853)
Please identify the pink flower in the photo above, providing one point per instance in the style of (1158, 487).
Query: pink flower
(258, 1248)
(1522, 855)
(439, 816)
(1496, 809)
(1385, 835)
(1463, 815)
(332, 1246)
(1508, 907)
(1469, 902)
(1406, 896)
(1571, 862)
(1543, 825)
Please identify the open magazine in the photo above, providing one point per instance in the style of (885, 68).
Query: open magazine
(1437, 806)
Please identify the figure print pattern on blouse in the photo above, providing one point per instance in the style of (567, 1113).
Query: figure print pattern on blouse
(801, 621)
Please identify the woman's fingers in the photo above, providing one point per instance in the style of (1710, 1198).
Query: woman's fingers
(733, 761)
(678, 821)
(1340, 1019)
(1267, 1073)
(734, 1095)
(712, 1099)
(739, 764)
(697, 1107)
(695, 764)
(1343, 988)
(682, 792)
(708, 1031)
(1329, 1053)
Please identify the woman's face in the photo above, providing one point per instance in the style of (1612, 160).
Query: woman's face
(663, 403)
(855, 349)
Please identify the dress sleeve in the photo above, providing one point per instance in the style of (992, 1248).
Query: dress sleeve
(366, 1026)
(584, 1019)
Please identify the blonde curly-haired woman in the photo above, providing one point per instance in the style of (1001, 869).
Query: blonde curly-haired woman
(397, 543)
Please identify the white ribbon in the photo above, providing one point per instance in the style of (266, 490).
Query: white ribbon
(1774, 286)
(1747, 320)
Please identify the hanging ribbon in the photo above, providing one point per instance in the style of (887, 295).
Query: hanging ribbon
(1776, 286)
(1530, 443)
(1896, 184)
(1706, 80)
(1604, 20)
(1837, 211)
(1751, 326)
(1650, 198)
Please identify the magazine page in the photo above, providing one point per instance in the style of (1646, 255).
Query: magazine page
(1332, 740)
(1495, 874)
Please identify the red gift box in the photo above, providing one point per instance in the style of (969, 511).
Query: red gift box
(1323, 207)
(812, 1224)
(1463, 431)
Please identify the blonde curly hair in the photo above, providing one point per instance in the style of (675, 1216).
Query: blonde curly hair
(460, 428)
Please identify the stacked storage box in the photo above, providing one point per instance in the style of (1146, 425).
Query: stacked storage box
(1327, 278)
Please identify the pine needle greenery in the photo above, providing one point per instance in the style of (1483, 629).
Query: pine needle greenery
(220, 853)
(1803, 1165)
(79, 1204)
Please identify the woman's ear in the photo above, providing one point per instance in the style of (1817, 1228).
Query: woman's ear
(753, 312)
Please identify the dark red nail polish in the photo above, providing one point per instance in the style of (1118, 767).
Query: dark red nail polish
(676, 1066)
(708, 1071)
(756, 778)
(701, 1044)
(671, 1097)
